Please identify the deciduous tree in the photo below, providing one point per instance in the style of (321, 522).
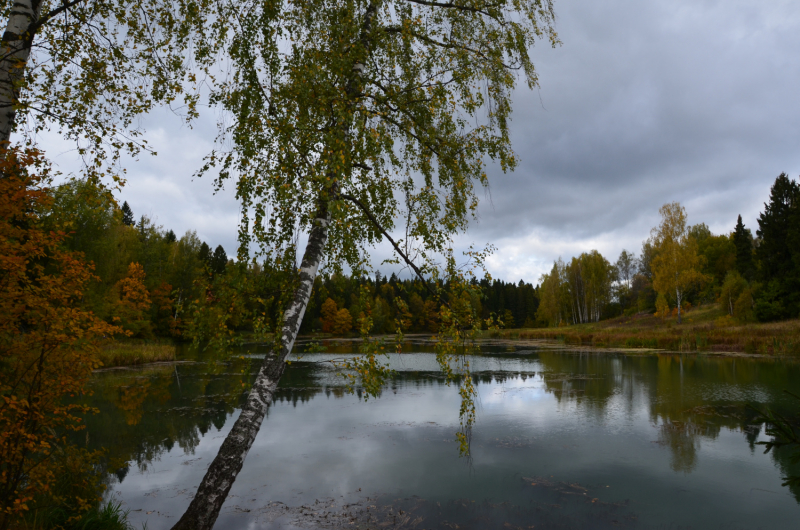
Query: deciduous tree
(329, 311)
(47, 340)
(89, 67)
(676, 265)
(337, 109)
(342, 322)
(132, 302)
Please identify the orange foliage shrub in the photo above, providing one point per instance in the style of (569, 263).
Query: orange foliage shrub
(47, 342)
(342, 322)
(130, 309)
(329, 311)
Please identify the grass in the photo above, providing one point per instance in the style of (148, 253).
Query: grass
(133, 352)
(704, 329)
(107, 516)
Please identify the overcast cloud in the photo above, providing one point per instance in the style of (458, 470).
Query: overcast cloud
(644, 103)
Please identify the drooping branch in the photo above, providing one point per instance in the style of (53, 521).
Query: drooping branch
(383, 231)
(445, 45)
(451, 5)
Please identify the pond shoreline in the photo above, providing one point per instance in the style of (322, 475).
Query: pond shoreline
(131, 355)
(560, 346)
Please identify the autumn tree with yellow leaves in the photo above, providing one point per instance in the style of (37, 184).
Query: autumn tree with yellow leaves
(676, 266)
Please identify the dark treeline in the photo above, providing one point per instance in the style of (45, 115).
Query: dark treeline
(154, 283)
(337, 303)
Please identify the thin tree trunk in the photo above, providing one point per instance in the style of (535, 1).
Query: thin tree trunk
(15, 49)
(204, 508)
(207, 502)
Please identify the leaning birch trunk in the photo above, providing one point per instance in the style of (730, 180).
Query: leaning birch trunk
(207, 502)
(15, 49)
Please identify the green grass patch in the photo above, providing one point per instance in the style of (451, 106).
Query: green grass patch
(133, 352)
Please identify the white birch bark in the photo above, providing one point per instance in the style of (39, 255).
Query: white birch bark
(15, 49)
(207, 502)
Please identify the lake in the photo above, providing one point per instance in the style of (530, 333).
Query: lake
(563, 439)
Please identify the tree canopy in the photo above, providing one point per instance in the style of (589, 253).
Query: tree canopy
(90, 68)
(676, 264)
(377, 106)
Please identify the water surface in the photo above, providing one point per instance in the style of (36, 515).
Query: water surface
(563, 440)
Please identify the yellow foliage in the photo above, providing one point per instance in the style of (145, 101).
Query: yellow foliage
(342, 322)
(676, 266)
(329, 311)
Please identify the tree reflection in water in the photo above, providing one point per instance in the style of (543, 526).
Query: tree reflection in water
(146, 412)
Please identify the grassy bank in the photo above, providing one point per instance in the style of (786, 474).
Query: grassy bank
(133, 352)
(704, 329)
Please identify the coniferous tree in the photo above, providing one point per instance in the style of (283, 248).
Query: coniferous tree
(743, 241)
(778, 269)
(170, 237)
(205, 255)
(773, 254)
(219, 260)
(127, 215)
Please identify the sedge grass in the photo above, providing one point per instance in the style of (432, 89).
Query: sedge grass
(130, 353)
(705, 329)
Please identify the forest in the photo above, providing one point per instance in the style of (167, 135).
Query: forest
(151, 283)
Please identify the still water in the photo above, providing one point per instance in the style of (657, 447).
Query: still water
(563, 440)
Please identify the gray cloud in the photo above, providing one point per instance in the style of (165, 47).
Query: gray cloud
(645, 103)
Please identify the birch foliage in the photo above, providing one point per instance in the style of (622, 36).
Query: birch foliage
(90, 68)
(382, 108)
(676, 266)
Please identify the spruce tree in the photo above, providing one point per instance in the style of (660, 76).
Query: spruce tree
(219, 260)
(780, 297)
(743, 241)
(773, 254)
(127, 215)
(205, 255)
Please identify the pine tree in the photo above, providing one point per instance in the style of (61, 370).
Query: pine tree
(170, 237)
(743, 241)
(127, 215)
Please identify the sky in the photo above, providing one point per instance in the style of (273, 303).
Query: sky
(644, 103)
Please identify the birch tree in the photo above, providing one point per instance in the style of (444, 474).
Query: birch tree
(343, 118)
(676, 265)
(589, 280)
(88, 68)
